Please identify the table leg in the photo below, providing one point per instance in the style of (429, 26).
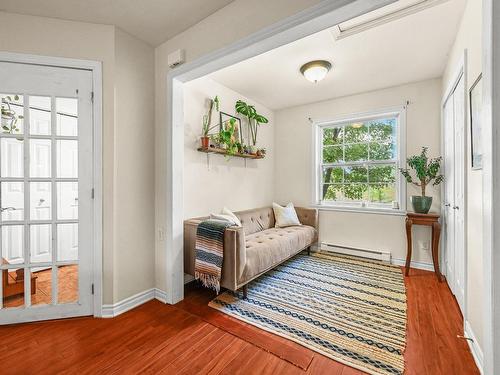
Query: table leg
(436, 233)
(409, 223)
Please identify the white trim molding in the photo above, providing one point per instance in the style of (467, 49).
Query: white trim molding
(127, 304)
(426, 266)
(475, 349)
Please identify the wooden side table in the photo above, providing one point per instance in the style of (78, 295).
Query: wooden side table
(431, 220)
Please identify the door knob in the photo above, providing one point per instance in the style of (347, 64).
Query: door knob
(447, 205)
(456, 207)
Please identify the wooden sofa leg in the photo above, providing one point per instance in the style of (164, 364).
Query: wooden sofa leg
(245, 291)
(309, 250)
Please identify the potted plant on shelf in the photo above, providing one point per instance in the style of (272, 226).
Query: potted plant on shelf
(226, 138)
(207, 121)
(426, 171)
(254, 120)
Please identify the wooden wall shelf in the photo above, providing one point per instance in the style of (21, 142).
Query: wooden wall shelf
(213, 150)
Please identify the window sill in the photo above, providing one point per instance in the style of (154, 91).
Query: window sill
(363, 210)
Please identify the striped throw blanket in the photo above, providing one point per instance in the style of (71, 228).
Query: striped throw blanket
(209, 252)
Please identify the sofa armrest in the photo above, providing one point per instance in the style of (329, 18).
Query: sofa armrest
(234, 252)
(308, 216)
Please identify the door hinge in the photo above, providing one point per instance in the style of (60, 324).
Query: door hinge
(92, 289)
(92, 194)
(92, 96)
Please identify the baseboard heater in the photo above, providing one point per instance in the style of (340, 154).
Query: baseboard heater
(363, 253)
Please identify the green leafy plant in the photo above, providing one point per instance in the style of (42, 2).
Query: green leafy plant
(254, 119)
(9, 116)
(426, 170)
(207, 119)
(226, 137)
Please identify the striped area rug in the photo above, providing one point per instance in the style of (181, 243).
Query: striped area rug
(346, 308)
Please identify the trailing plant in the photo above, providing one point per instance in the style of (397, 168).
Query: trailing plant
(9, 116)
(207, 119)
(226, 136)
(254, 119)
(426, 170)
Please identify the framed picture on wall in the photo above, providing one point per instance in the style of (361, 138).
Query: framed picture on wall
(224, 124)
(476, 105)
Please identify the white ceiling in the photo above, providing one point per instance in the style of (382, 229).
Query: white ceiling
(153, 21)
(408, 49)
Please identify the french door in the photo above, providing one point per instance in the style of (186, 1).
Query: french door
(45, 192)
(454, 187)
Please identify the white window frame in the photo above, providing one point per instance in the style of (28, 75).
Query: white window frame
(400, 114)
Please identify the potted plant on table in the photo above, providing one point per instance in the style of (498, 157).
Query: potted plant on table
(254, 121)
(207, 121)
(426, 171)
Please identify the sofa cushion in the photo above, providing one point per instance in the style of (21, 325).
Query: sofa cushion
(256, 220)
(268, 248)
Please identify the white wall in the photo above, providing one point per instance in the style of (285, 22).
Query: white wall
(127, 135)
(469, 37)
(224, 27)
(134, 166)
(294, 153)
(208, 187)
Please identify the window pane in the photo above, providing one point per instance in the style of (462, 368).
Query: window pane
(12, 201)
(382, 193)
(41, 200)
(332, 154)
(355, 174)
(13, 244)
(13, 294)
(67, 116)
(355, 133)
(383, 173)
(357, 152)
(67, 242)
(12, 157)
(383, 130)
(332, 192)
(40, 161)
(67, 284)
(382, 151)
(42, 295)
(333, 136)
(41, 243)
(40, 115)
(67, 200)
(355, 192)
(333, 175)
(12, 113)
(67, 159)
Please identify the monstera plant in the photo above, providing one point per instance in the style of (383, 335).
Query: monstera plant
(427, 172)
(254, 120)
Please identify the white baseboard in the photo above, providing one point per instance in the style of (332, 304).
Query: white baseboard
(426, 266)
(477, 353)
(110, 311)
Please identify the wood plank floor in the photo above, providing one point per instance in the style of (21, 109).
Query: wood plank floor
(190, 338)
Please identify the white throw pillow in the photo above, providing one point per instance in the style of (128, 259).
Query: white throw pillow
(227, 215)
(285, 216)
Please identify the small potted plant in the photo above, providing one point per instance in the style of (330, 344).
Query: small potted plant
(254, 121)
(426, 171)
(207, 121)
(226, 138)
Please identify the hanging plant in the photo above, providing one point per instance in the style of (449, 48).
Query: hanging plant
(9, 116)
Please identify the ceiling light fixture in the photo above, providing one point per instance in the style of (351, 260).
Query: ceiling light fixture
(315, 71)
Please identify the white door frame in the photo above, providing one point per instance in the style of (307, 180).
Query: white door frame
(326, 14)
(460, 72)
(96, 68)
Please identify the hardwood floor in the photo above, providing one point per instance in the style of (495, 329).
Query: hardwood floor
(190, 338)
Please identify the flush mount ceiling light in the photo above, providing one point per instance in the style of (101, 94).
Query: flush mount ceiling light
(315, 71)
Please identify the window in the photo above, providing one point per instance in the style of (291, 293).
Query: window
(358, 161)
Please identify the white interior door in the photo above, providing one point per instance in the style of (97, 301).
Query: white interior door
(45, 192)
(454, 210)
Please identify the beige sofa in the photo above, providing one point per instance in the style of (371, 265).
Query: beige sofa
(257, 246)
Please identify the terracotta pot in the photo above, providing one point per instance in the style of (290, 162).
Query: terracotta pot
(205, 142)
